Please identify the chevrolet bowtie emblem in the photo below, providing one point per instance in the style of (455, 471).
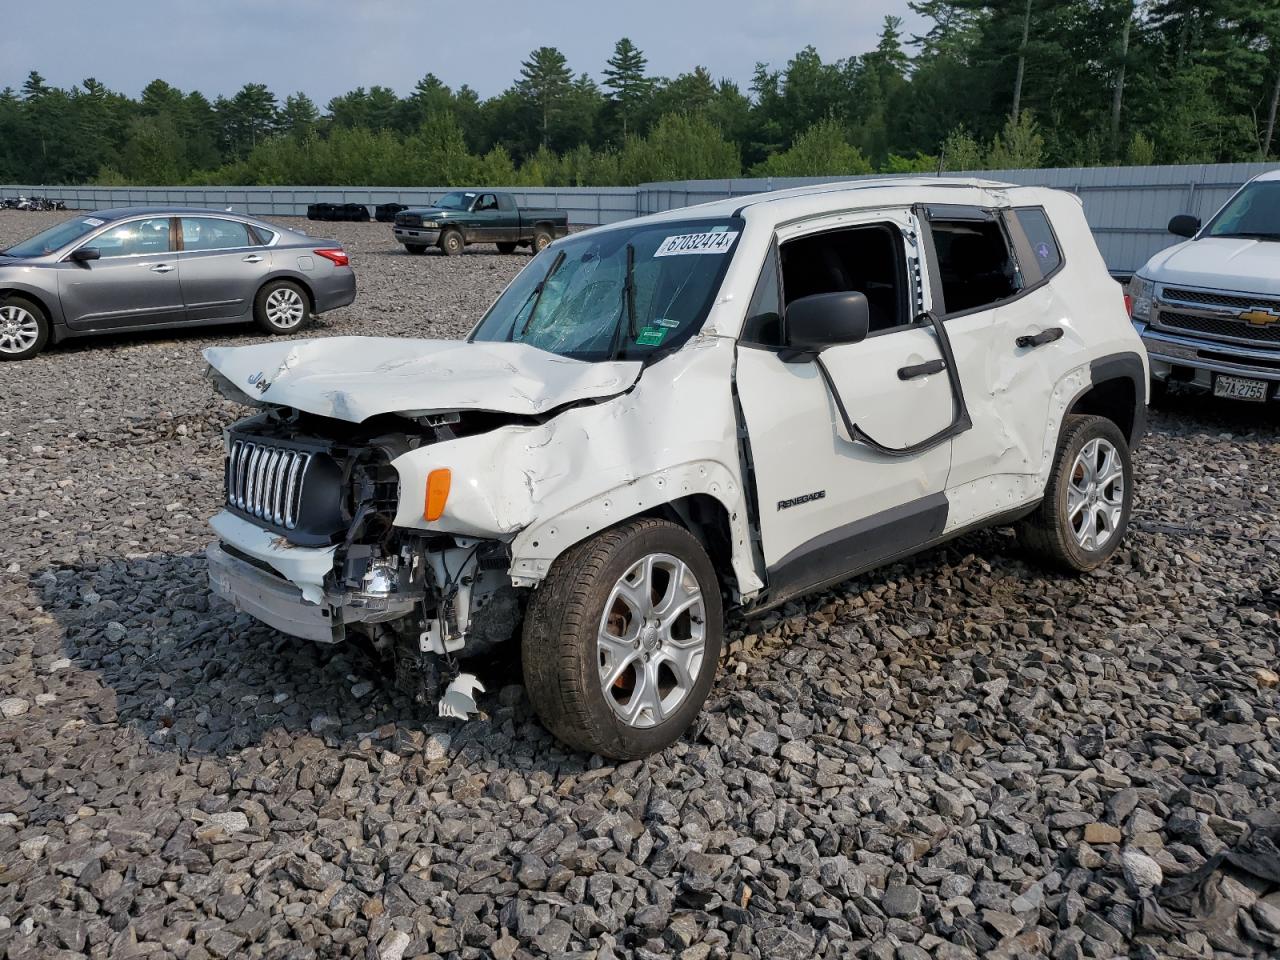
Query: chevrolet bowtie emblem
(1259, 318)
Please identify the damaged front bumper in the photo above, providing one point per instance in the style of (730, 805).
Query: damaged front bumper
(268, 597)
(284, 586)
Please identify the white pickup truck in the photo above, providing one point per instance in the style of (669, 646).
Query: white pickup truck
(1208, 309)
(720, 406)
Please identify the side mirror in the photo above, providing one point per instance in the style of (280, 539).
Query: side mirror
(85, 254)
(1184, 225)
(824, 320)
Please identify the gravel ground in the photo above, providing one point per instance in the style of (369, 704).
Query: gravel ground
(959, 756)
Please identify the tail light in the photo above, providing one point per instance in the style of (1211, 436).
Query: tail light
(337, 255)
(1128, 304)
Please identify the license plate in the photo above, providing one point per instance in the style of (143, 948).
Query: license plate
(1240, 388)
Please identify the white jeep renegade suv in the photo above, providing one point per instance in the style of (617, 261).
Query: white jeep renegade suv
(725, 405)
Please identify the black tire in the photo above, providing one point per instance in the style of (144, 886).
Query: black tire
(561, 653)
(17, 314)
(506, 246)
(1050, 532)
(452, 243)
(265, 308)
(417, 249)
(541, 239)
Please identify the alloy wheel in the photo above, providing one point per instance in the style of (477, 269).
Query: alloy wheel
(651, 640)
(285, 308)
(1095, 494)
(19, 330)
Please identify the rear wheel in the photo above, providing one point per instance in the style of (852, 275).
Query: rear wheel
(24, 329)
(451, 243)
(622, 641)
(1085, 511)
(541, 239)
(415, 248)
(506, 247)
(281, 307)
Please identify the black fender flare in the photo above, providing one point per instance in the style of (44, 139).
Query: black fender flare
(1120, 366)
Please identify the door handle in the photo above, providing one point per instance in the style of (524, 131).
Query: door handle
(252, 258)
(921, 369)
(161, 268)
(1040, 339)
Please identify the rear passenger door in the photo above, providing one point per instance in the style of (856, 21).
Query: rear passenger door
(224, 263)
(1005, 324)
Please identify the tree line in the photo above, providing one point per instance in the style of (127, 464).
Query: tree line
(1010, 83)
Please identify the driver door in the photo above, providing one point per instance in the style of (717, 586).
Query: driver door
(135, 283)
(832, 504)
(485, 218)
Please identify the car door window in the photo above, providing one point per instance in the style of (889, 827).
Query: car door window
(487, 202)
(134, 238)
(212, 233)
(867, 259)
(975, 265)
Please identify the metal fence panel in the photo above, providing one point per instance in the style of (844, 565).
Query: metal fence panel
(1127, 207)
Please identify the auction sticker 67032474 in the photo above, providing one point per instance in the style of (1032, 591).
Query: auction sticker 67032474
(689, 243)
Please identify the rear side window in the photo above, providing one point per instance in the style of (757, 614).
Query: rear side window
(974, 264)
(1044, 245)
(209, 233)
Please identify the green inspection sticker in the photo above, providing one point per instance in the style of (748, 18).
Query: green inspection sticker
(650, 337)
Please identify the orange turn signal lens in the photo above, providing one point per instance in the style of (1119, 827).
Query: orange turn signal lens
(437, 493)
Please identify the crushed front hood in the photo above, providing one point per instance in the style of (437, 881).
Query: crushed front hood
(355, 378)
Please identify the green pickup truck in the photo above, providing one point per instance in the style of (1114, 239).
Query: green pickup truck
(478, 216)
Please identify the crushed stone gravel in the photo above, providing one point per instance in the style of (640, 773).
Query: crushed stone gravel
(957, 756)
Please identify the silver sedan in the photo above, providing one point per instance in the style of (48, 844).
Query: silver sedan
(147, 268)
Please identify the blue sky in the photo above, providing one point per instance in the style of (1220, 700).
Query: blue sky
(324, 48)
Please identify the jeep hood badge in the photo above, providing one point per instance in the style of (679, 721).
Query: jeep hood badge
(355, 378)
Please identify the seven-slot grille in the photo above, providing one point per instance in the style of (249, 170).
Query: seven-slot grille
(266, 481)
(409, 219)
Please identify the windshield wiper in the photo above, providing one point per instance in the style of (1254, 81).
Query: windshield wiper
(628, 306)
(537, 296)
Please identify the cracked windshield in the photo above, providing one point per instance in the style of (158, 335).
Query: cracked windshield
(617, 294)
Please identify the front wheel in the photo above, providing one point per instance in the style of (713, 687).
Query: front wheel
(451, 243)
(1085, 511)
(622, 641)
(23, 329)
(280, 307)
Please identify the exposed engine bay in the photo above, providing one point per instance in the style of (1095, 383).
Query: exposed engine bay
(316, 483)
